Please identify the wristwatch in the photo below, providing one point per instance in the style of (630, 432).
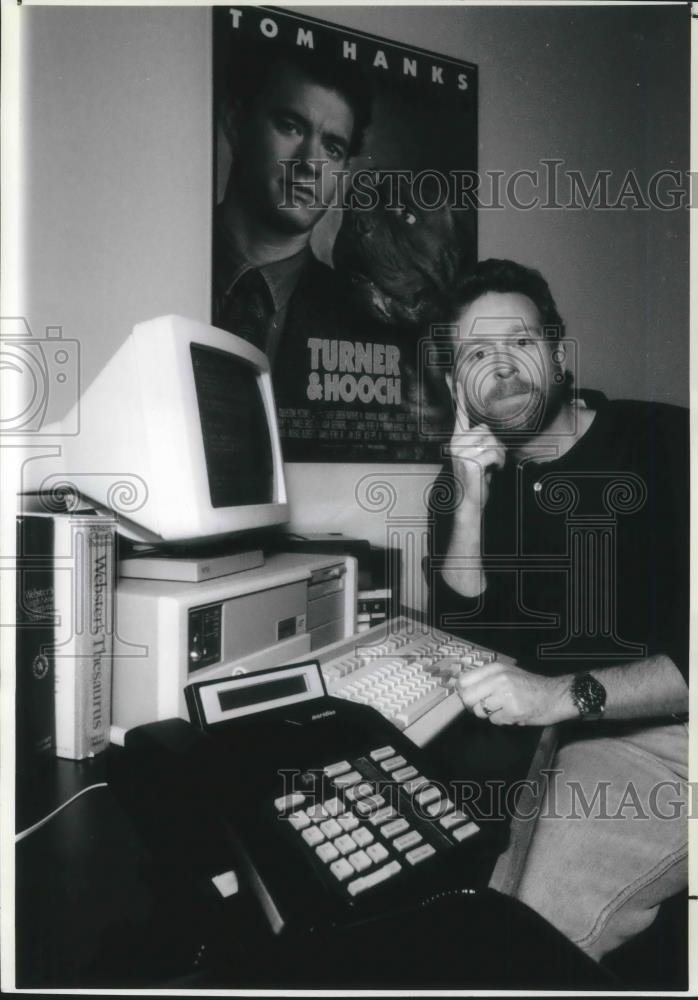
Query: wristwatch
(589, 697)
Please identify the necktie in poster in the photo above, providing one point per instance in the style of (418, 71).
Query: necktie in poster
(346, 170)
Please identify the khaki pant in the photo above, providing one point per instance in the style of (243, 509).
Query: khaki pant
(610, 841)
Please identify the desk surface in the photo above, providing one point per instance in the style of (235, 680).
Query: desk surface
(87, 915)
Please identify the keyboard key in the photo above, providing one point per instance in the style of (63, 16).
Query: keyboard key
(341, 869)
(345, 844)
(463, 832)
(359, 861)
(440, 808)
(407, 840)
(348, 821)
(382, 753)
(397, 826)
(420, 853)
(377, 853)
(286, 802)
(299, 820)
(333, 770)
(416, 710)
(374, 878)
(404, 773)
(334, 806)
(392, 763)
(327, 852)
(331, 828)
(429, 794)
(382, 816)
(448, 668)
(345, 780)
(313, 835)
(317, 812)
(453, 819)
(362, 836)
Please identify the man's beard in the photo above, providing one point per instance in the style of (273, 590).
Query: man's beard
(516, 408)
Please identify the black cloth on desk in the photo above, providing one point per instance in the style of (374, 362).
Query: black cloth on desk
(457, 941)
(629, 473)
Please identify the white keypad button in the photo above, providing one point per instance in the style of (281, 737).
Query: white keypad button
(345, 844)
(294, 801)
(334, 806)
(345, 780)
(362, 836)
(397, 826)
(412, 786)
(299, 820)
(392, 763)
(331, 828)
(313, 835)
(348, 821)
(430, 794)
(463, 832)
(382, 816)
(382, 753)
(420, 854)
(408, 840)
(359, 791)
(365, 807)
(377, 853)
(317, 813)
(439, 808)
(341, 869)
(341, 767)
(453, 819)
(405, 773)
(359, 861)
(326, 852)
(373, 878)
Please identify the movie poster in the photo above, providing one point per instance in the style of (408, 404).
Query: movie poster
(345, 171)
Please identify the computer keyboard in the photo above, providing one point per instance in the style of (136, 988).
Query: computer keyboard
(402, 668)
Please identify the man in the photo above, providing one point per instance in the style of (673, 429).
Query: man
(293, 124)
(566, 547)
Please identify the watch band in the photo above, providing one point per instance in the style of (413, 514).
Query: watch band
(589, 696)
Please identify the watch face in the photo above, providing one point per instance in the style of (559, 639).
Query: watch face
(589, 696)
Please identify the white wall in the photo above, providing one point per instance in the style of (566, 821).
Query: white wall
(118, 170)
(118, 190)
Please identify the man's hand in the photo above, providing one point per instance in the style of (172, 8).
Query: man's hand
(475, 453)
(510, 696)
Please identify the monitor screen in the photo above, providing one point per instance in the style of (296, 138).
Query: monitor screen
(235, 430)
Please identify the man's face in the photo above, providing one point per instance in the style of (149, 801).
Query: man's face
(505, 374)
(294, 118)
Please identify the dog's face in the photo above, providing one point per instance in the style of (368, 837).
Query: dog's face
(400, 256)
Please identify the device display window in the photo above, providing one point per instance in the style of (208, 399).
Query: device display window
(236, 437)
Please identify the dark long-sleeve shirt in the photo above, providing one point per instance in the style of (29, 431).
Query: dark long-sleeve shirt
(586, 557)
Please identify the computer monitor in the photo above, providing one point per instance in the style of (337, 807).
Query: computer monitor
(177, 434)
